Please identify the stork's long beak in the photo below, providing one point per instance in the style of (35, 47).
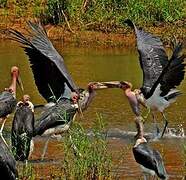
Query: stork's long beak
(105, 85)
(19, 82)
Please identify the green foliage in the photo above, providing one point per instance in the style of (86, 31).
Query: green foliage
(86, 157)
(112, 12)
(54, 11)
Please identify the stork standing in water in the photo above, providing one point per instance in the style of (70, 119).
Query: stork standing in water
(53, 81)
(23, 129)
(160, 75)
(7, 162)
(8, 97)
(149, 159)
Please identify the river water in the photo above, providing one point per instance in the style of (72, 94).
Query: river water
(91, 64)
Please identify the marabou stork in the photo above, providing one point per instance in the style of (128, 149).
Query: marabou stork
(23, 129)
(160, 75)
(53, 82)
(149, 159)
(8, 97)
(7, 162)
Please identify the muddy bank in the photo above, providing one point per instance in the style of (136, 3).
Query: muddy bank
(123, 37)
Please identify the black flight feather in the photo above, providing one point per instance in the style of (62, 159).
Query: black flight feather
(48, 66)
(7, 162)
(152, 57)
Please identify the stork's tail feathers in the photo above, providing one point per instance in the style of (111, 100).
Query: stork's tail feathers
(171, 97)
(177, 49)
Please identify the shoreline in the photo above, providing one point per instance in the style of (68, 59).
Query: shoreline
(123, 38)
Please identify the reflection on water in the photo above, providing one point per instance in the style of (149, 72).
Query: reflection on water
(87, 65)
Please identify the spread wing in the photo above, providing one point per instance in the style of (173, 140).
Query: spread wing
(152, 57)
(173, 73)
(48, 66)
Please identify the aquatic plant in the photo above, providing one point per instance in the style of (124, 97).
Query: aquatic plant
(87, 157)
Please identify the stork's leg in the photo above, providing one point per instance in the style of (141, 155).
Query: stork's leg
(145, 176)
(1, 130)
(45, 148)
(166, 123)
(156, 124)
(3, 124)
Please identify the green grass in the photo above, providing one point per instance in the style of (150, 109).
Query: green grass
(87, 157)
(104, 15)
(113, 12)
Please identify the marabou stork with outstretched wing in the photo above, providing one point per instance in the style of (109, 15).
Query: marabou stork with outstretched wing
(53, 81)
(8, 97)
(160, 75)
(23, 129)
(149, 159)
(7, 162)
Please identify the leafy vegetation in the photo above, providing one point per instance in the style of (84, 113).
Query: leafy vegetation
(86, 157)
(98, 14)
(114, 11)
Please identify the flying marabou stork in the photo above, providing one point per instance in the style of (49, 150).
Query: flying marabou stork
(8, 97)
(53, 82)
(23, 129)
(160, 75)
(149, 159)
(7, 162)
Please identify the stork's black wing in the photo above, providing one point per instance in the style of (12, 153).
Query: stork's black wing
(174, 73)
(47, 65)
(7, 103)
(7, 162)
(150, 158)
(60, 114)
(22, 132)
(152, 57)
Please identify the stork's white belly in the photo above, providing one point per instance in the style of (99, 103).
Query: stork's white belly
(157, 102)
(57, 130)
(148, 171)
